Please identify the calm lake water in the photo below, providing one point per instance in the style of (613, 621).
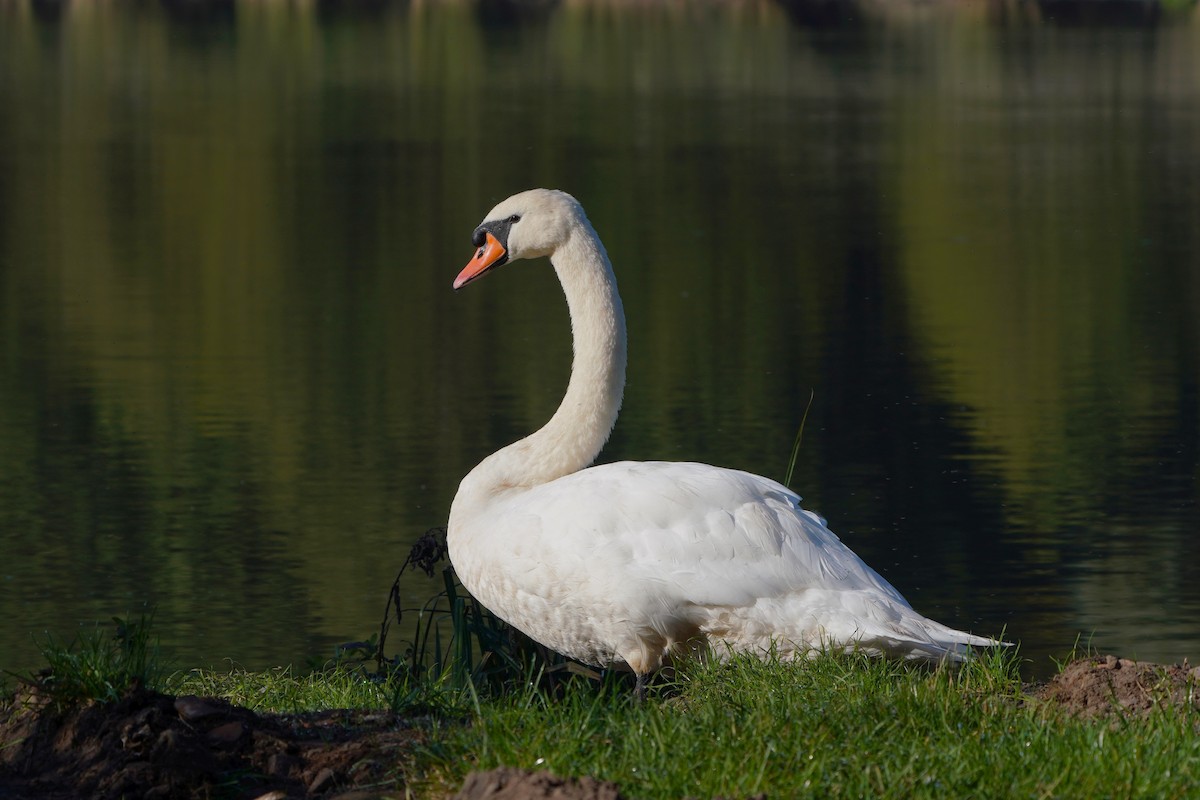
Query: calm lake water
(235, 384)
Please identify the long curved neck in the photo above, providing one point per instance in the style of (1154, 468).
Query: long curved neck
(574, 436)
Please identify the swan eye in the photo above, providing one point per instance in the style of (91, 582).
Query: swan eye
(514, 218)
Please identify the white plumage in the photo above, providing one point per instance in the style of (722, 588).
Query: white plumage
(627, 564)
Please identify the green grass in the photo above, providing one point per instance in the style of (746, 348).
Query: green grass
(281, 691)
(99, 664)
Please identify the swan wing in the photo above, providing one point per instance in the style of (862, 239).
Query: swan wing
(703, 535)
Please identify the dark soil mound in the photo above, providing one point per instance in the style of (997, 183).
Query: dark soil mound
(155, 746)
(1107, 686)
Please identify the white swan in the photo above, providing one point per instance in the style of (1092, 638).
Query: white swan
(627, 564)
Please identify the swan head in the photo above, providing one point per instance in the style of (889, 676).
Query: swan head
(531, 224)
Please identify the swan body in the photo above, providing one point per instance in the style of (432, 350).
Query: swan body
(631, 563)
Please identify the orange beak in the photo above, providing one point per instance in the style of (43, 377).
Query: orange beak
(492, 254)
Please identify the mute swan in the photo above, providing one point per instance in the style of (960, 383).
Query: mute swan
(627, 564)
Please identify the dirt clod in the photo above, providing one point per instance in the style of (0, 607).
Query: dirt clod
(506, 783)
(1108, 686)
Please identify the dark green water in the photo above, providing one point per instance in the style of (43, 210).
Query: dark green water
(235, 384)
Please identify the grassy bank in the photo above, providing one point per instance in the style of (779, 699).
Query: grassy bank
(835, 726)
(838, 726)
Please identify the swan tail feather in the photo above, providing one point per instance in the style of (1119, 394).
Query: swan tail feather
(932, 641)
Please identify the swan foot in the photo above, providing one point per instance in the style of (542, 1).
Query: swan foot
(639, 687)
